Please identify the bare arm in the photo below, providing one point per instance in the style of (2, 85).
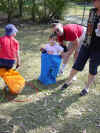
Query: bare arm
(18, 61)
(76, 46)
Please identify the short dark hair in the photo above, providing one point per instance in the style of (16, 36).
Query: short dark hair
(53, 35)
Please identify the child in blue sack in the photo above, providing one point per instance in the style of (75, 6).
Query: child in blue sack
(50, 61)
(52, 47)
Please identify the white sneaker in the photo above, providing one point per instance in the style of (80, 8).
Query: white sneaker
(60, 73)
(74, 78)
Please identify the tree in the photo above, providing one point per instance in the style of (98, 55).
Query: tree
(20, 3)
(8, 6)
(47, 10)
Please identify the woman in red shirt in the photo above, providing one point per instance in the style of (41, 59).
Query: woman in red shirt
(72, 33)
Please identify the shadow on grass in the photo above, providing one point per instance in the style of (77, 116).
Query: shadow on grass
(6, 96)
(2, 96)
(47, 112)
(35, 86)
(31, 87)
(42, 113)
(37, 115)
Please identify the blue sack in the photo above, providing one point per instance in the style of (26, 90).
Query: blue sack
(50, 65)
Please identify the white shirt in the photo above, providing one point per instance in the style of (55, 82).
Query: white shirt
(56, 49)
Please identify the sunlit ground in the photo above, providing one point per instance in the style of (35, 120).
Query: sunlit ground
(49, 110)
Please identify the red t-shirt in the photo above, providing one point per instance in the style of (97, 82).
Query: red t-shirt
(71, 32)
(9, 47)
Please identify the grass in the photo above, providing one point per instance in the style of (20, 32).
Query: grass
(50, 110)
(75, 9)
(74, 13)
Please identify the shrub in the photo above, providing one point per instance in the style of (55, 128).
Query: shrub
(47, 10)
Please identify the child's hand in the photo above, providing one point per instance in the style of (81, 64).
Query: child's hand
(43, 50)
(18, 65)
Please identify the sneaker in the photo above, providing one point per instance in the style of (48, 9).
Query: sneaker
(74, 78)
(84, 92)
(60, 73)
(64, 86)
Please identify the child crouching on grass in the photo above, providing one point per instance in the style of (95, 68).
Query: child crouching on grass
(9, 55)
(50, 61)
(9, 48)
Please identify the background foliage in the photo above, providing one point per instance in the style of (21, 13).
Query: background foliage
(40, 11)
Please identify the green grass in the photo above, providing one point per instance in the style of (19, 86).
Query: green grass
(50, 110)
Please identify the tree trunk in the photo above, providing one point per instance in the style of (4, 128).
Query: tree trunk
(20, 2)
(9, 13)
(33, 10)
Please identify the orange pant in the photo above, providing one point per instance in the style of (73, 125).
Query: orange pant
(13, 79)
